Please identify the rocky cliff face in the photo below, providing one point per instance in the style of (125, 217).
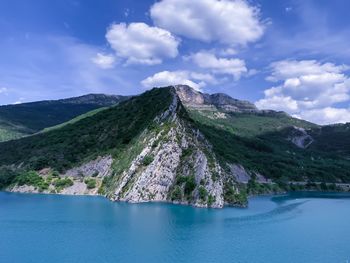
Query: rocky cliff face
(170, 161)
(181, 167)
(196, 99)
(177, 145)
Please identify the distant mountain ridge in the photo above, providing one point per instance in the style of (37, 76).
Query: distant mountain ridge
(27, 118)
(92, 98)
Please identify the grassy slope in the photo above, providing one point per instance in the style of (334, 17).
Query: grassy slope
(107, 131)
(76, 119)
(259, 143)
(28, 118)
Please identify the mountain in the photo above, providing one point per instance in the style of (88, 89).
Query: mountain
(27, 118)
(179, 145)
(194, 99)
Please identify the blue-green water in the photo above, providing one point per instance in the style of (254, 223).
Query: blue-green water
(293, 228)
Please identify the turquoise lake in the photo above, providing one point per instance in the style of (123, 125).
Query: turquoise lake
(298, 227)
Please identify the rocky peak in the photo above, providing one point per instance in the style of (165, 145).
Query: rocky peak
(190, 96)
(196, 99)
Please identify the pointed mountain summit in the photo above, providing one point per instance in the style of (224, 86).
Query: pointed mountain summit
(196, 99)
(178, 145)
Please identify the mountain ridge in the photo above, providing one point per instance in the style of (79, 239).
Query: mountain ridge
(159, 147)
(28, 118)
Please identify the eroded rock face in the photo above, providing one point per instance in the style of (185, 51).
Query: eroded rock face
(196, 99)
(179, 157)
(300, 138)
(241, 175)
(174, 163)
(100, 167)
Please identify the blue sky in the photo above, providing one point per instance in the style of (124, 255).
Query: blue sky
(289, 55)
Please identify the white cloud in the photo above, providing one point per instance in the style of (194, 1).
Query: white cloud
(232, 22)
(104, 61)
(170, 78)
(72, 73)
(139, 43)
(232, 66)
(3, 90)
(308, 89)
(287, 69)
(279, 103)
(327, 115)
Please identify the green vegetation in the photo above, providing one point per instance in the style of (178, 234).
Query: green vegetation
(27, 118)
(76, 119)
(90, 183)
(62, 183)
(203, 193)
(232, 197)
(110, 131)
(176, 194)
(147, 160)
(190, 185)
(32, 178)
(259, 143)
(7, 176)
(211, 200)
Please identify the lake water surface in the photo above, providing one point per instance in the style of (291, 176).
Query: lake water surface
(299, 227)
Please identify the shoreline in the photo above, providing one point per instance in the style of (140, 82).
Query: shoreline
(286, 193)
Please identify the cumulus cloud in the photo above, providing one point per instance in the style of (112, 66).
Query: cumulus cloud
(104, 61)
(168, 78)
(3, 90)
(139, 43)
(327, 115)
(232, 22)
(72, 73)
(232, 66)
(308, 89)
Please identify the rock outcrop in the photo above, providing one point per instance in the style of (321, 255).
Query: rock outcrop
(300, 138)
(178, 155)
(196, 99)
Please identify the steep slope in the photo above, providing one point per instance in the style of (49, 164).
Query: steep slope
(273, 144)
(23, 119)
(144, 149)
(178, 145)
(333, 139)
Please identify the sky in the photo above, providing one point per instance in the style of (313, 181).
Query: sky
(289, 55)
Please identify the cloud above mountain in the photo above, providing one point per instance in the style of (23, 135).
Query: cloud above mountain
(308, 89)
(230, 22)
(168, 78)
(104, 61)
(139, 43)
(231, 66)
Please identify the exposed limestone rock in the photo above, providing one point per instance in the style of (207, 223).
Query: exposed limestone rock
(241, 175)
(23, 189)
(79, 188)
(301, 138)
(198, 100)
(156, 181)
(171, 162)
(100, 167)
(151, 183)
